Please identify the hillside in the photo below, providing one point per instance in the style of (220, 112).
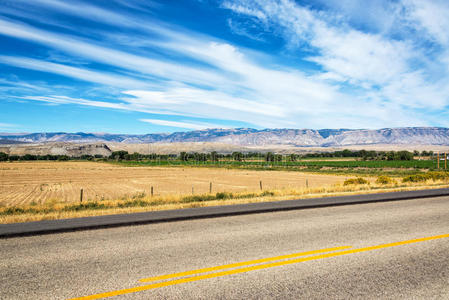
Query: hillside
(254, 137)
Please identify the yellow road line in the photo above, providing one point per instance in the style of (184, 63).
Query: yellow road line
(240, 264)
(253, 268)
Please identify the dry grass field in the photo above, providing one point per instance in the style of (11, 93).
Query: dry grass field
(23, 183)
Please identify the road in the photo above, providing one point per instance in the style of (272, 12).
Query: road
(313, 253)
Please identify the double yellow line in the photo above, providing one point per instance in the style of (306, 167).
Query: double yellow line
(252, 265)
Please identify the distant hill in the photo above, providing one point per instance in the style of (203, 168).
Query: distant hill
(254, 137)
(10, 142)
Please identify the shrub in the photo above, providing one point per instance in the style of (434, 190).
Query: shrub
(426, 176)
(13, 211)
(438, 175)
(358, 180)
(267, 193)
(222, 196)
(134, 203)
(385, 180)
(85, 206)
(416, 178)
(198, 198)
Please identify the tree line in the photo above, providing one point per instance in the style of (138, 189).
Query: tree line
(234, 156)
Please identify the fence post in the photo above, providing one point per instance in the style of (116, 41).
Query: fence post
(307, 183)
(192, 190)
(438, 160)
(445, 160)
(151, 191)
(210, 187)
(81, 195)
(260, 184)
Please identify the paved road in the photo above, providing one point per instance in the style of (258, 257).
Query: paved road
(76, 264)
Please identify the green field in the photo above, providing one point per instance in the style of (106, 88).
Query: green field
(392, 167)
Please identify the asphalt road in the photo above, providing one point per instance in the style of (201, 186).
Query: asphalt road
(76, 264)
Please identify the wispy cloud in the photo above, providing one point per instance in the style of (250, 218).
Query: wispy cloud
(242, 30)
(117, 58)
(73, 72)
(187, 125)
(6, 125)
(56, 99)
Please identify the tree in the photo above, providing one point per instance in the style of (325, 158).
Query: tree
(214, 156)
(29, 157)
(119, 155)
(347, 153)
(269, 156)
(278, 157)
(135, 156)
(3, 156)
(293, 157)
(237, 156)
(404, 155)
(183, 156)
(390, 155)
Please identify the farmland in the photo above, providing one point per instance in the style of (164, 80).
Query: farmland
(24, 183)
(346, 167)
(39, 190)
(311, 164)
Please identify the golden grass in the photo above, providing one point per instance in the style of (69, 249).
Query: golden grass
(23, 183)
(179, 201)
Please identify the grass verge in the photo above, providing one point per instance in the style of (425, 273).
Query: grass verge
(141, 202)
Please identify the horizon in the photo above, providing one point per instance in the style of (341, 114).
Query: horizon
(209, 129)
(156, 67)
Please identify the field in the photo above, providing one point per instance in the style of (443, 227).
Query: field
(23, 183)
(337, 166)
(43, 190)
(305, 163)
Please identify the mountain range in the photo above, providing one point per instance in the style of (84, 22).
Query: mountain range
(253, 137)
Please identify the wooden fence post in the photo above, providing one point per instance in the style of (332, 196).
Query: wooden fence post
(151, 191)
(307, 183)
(210, 187)
(260, 184)
(445, 160)
(81, 195)
(438, 160)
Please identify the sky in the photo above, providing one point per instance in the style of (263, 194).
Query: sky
(129, 66)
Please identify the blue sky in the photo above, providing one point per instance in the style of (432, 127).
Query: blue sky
(128, 66)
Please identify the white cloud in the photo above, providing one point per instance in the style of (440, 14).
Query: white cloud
(430, 16)
(194, 98)
(7, 125)
(393, 72)
(240, 29)
(73, 72)
(355, 55)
